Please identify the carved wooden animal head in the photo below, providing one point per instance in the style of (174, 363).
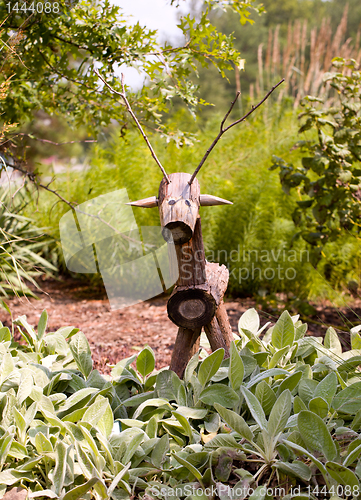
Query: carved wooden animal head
(178, 202)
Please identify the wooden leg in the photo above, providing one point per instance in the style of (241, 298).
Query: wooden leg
(223, 322)
(215, 337)
(186, 345)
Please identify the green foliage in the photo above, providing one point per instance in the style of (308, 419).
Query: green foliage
(51, 58)
(69, 432)
(255, 236)
(330, 175)
(21, 246)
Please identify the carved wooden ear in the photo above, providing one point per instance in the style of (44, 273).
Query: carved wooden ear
(208, 200)
(150, 202)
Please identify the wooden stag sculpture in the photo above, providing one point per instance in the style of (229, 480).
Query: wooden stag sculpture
(197, 299)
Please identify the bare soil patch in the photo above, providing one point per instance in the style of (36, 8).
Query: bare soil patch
(114, 335)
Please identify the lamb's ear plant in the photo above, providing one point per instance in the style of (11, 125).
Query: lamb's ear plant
(284, 410)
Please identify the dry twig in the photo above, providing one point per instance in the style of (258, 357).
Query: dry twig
(124, 97)
(223, 130)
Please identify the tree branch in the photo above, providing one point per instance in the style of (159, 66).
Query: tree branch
(124, 97)
(47, 141)
(223, 130)
(32, 177)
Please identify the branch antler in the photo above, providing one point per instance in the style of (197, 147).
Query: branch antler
(126, 102)
(223, 130)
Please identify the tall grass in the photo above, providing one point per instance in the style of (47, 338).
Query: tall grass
(21, 246)
(304, 58)
(256, 237)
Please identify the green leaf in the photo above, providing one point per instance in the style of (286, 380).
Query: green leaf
(255, 408)
(290, 382)
(80, 349)
(5, 444)
(319, 406)
(348, 400)
(342, 474)
(105, 424)
(265, 396)
(352, 456)
(235, 422)
(42, 444)
(273, 372)
(222, 441)
(332, 341)
(236, 368)
(196, 413)
(191, 366)
(298, 405)
(249, 363)
(9, 477)
(167, 385)
(7, 366)
(249, 321)
(18, 450)
(43, 321)
(145, 361)
(80, 491)
(210, 366)
(132, 447)
(30, 335)
(280, 414)
(278, 355)
(221, 394)
(306, 389)
(296, 469)
(184, 423)
(326, 389)
(151, 427)
(315, 434)
(25, 387)
(58, 475)
(43, 493)
(100, 415)
(195, 472)
(117, 479)
(355, 338)
(5, 335)
(156, 402)
(283, 332)
(56, 344)
(85, 463)
(160, 450)
(76, 401)
(303, 451)
(19, 420)
(212, 423)
(258, 494)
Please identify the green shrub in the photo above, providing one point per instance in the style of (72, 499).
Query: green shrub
(21, 246)
(257, 230)
(330, 175)
(284, 410)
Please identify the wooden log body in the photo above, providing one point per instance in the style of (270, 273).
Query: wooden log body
(195, 305)
(224, 325)
(186, 345)
(191, 259)
(178, 204)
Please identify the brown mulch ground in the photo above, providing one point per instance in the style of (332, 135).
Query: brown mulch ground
(114, 335)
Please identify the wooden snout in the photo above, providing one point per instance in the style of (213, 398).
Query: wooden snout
(178, 204)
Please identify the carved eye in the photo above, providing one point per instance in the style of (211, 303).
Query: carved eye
(171, 202)
(188, 203)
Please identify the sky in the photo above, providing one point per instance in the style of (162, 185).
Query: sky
(155, 14)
